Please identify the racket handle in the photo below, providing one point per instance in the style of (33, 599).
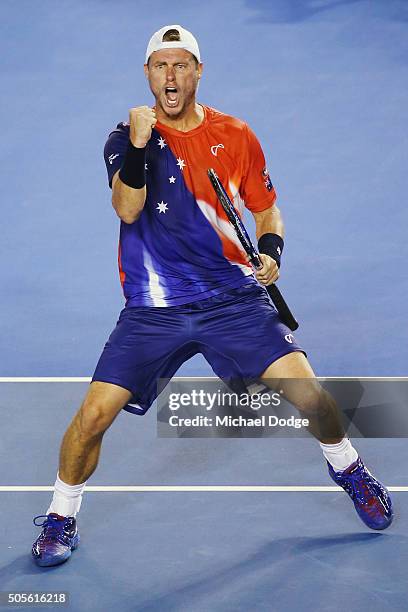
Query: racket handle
(285, 314)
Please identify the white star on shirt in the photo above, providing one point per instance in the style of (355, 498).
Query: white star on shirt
(146, 168)
(161, 142)
(161, 207)
(172, 179)
(180, 163)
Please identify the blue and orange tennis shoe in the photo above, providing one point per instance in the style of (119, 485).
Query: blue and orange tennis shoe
(371, 499)
(57, 540)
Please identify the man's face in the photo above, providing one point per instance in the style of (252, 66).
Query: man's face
(173, 78)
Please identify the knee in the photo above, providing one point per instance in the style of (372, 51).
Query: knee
(316, 401)
(93, 419)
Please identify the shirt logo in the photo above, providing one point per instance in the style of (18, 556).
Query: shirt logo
(289, 338)
(112, 157)
(214, 148)
(267, 179)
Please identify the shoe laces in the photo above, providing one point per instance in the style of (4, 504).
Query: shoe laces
(359, 485)
(53, 529)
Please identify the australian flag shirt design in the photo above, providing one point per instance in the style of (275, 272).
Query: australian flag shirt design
(182, 248)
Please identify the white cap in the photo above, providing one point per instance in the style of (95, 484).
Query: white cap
(187, 42)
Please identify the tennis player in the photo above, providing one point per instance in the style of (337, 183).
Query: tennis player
(188, 286)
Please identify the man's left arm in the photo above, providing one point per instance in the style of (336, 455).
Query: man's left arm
(269, 233)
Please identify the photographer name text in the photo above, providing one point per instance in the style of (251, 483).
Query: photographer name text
(239, 421)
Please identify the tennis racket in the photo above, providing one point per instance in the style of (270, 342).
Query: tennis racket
(284, 312)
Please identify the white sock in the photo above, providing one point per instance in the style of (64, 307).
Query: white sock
(67, 498)
(340, 455)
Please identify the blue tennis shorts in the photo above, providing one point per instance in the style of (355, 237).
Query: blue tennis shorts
(238, 332)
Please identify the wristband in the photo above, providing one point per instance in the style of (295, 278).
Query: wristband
(133, 172)
(272, 245)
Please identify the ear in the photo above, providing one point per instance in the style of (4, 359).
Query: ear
(146, 70)
(200, 70)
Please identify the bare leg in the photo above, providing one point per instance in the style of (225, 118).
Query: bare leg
(307, 395)
(82, 441)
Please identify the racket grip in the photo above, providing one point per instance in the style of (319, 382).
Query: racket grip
(285, 314)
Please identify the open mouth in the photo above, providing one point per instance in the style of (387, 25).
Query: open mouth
(172, 98)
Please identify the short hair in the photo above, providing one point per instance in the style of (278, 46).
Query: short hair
(173, 35)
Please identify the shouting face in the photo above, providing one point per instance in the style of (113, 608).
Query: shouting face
(173, 76)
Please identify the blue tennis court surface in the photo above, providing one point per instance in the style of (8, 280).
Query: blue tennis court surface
(199, 550)
(324, 86)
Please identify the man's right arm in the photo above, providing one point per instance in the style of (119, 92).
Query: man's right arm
(128, 183)
(127, 202)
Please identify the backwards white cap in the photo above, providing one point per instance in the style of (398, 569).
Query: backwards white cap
(187, 42)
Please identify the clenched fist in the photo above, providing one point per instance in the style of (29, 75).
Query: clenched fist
(269, 273)
(142, 120)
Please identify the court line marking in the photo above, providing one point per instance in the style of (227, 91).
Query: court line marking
(51, 379)
(192, 488)
(74, 379)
